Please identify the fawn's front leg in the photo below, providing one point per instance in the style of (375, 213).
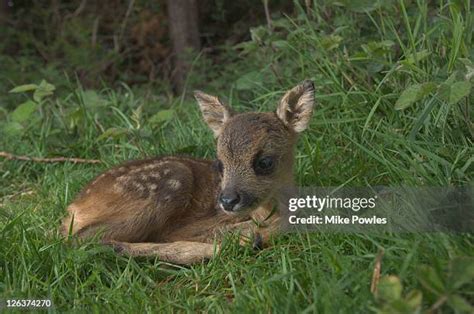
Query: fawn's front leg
(180, 252)
(257, 233)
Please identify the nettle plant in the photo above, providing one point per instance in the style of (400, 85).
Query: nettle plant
(24, 114)
(451, 91)
(440, 289)
(79, 110)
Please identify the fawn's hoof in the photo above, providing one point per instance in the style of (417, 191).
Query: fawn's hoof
(258, 242)
(116, 246)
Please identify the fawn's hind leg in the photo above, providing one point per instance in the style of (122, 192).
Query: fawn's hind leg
(180, 252)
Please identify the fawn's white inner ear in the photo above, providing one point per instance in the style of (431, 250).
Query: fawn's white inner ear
(214, 112)
(296, 106)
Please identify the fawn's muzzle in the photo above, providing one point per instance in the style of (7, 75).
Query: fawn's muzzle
(233, 201)
(228, 200)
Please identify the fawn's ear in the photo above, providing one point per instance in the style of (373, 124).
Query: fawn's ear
(296, 106)
(215, 113)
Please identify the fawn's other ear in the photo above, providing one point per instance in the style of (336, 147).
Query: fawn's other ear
(215, 113)
(296, 106)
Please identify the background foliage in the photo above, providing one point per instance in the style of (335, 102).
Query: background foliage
(394, 93)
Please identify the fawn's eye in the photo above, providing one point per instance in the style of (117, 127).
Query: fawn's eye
(219, 166)
(264, 165)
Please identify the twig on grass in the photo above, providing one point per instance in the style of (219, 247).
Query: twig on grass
(52, 160)
(376, 273)
(5, 198)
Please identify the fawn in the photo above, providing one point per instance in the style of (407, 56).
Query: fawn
(176, 207)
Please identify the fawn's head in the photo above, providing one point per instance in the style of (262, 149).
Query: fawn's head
(255, 150)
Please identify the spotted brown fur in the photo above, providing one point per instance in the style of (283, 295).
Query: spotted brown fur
(171, 206)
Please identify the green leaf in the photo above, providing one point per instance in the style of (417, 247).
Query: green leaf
(389, 289)
(24, 88)
(469, 68)
(161, 117)
(459, 304)
(247, 81)
(452, 93)
(418, 56)
(44, 89)
(359, 6)
(397, 307)
(280, 44)
(92, 99)
(3, 113)
(414, 93)
(461, 271)
(430, 279)
(257, 34)
(113, 133)
(76, 117)
(13, 128)
(24, 111)
(247, 46)
(413, 299)
(331, 42)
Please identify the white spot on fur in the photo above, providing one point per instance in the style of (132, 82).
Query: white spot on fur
(174, 184)
(99, 178)
(155, 175)
(138, 186)
(152, 166)
(123, 178)
(118, 188)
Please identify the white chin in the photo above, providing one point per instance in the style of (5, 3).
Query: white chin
(238, 211)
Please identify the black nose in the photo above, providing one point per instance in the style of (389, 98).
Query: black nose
(229, 199)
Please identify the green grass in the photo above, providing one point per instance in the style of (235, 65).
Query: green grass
(360, 62)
